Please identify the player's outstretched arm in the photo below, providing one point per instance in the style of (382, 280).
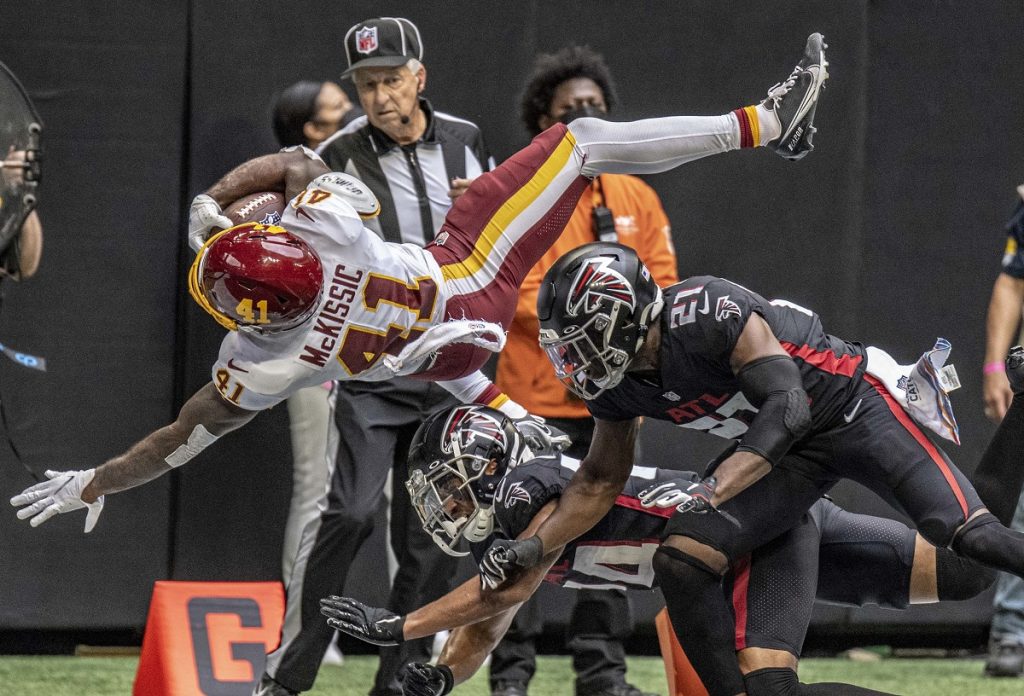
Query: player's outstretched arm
(203, 418)
(771, 381)
(464, 605)
(588, 497)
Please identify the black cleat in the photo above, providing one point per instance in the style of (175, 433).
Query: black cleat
(795, 100)
(268, 687)
(1015, 369)
(509, 688)
(617, 690)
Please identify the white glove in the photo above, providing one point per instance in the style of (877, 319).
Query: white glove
(203, 215)
(666, 495)
(541, 437)
(62, 493)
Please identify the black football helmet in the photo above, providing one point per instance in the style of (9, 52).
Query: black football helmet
(456, 459)
(595, 305)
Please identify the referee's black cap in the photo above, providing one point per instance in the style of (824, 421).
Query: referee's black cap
(382, 42)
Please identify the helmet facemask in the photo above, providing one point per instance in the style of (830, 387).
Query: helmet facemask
(584, 358)
(596, 316)
(456, 461)
(446, 503)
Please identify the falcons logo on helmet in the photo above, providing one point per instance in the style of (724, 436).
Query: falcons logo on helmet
(597, 281)
(465, 425)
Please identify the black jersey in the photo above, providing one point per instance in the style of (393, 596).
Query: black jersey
(616, 553)
(700, 324)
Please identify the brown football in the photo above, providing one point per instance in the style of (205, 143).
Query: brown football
(264, 208)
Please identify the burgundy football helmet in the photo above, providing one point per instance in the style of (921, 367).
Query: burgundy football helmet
(257, 277)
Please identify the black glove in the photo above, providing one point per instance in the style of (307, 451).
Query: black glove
(373, 625)
(541, 437)
(427, 680)
(700, 494)
(506, 555)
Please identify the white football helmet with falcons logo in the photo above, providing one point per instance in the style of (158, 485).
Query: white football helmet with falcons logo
(456, 459)
(595, 306)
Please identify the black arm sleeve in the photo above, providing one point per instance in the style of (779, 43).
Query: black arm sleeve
(773, 384)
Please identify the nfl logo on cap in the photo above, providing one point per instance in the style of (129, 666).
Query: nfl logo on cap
(382, 42)
(366, 40)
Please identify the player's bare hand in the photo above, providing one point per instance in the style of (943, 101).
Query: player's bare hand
(203, 215)
(371, 624)
(427, 680)
(997, 394)
(459, 187)
(61, 493)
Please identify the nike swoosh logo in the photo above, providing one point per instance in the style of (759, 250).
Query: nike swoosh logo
(707, 306)
(848, 417)
(233, 366)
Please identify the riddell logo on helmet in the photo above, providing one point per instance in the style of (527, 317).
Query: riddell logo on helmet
(332, 317)
(595, 282)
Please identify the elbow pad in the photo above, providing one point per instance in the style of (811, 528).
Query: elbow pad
(773, 384)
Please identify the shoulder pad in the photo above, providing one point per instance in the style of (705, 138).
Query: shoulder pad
(354, 191)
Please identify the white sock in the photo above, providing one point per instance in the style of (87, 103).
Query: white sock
(652, 145)
(768, 123)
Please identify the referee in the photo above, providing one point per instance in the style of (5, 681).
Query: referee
(416, 161)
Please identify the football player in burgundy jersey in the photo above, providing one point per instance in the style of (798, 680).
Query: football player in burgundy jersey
(806, 408)
(323, 297)
(472, 478)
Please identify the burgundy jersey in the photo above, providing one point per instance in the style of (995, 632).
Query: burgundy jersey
(695, 388)
(616, 553)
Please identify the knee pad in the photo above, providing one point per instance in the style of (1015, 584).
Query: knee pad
(959, 578)
(772, 681)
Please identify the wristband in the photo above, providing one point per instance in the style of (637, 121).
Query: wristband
(995, 366)
(449, 679)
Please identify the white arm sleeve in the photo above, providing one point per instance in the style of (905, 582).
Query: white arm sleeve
(476, 388)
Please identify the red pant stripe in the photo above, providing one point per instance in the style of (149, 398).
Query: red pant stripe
(904, 418)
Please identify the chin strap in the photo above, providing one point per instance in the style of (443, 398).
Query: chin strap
(480, 526)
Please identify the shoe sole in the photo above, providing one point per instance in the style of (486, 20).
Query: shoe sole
(802, 123)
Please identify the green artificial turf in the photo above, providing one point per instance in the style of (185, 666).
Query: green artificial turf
(113, 676)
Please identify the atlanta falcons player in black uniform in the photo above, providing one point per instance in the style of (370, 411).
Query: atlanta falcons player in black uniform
(472, 477)
(712, 355)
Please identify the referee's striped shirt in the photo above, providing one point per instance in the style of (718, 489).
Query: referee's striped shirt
(411, 181)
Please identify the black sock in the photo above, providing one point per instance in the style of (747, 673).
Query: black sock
(701, 619)
(958, 578)
(987, 541)
(1000, 474)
